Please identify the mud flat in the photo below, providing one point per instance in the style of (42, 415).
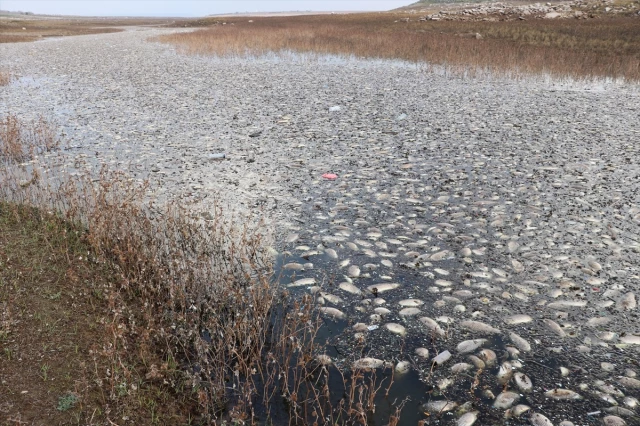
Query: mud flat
(481, 236)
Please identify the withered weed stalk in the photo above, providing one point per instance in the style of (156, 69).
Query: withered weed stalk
(232, 345)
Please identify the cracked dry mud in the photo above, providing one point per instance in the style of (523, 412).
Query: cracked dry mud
(482, 235)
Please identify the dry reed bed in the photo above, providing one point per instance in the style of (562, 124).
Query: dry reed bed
(18, 29)
(237, 346)
(5, 78)
(569, 48)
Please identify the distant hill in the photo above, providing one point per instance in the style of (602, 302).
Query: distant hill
(427, 2)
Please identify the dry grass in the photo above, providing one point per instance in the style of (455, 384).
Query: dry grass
(605, 47)
(20, 143)
(60, 313)
(187, 311)
(16, 29)
(5, 78)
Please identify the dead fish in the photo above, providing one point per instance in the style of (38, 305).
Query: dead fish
(613, 421)
(479, 251)
(382, 287)
(411, 303)
(439, 255)
(481, 274)
(563, 304)
(387, 263)
(291, 238)
(514, 353)
(523, 382)
(506, 400)
(463, 293)
(467, 419)
(517, 266)
(352, 246)
(610, 389)
(562, 394)
(538, 419)
(596, 281)
(556, 292)
(596, 321)
(396, 328)
(294, 267)
(441, 406)
(518, 319)
(353, 271)
(332, 298)
(629, 382)
(520, 343)
(630, 339)
(333, 313)
(369, 253)
(555, 327)
(516, 411)
(477, 362)
(479, 327)
(302, 282)
(402, 367)
(460, 367)
(488, 356)
(308, 254)
(369, 364)
(382, 311)
(486, 393)
(360, 327)
(465, 252)
(409, 312)
(606, 397)
(349, 288)
(505, 372)
(470, 345)
(630, 401)
(432, 326)
(594, 265)
(422, 352)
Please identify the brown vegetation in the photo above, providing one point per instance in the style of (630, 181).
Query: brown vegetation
(5, 78)
(603, 47)
(125, 312)
(16, 29)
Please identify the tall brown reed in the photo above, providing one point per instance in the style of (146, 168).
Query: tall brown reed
(573, 48)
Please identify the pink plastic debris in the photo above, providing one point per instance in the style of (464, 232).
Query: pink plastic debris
(330, 176)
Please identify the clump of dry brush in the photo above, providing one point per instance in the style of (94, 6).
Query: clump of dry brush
(240, 349)
(5, 78)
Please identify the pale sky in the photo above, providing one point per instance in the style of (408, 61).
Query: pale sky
(191, 7)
